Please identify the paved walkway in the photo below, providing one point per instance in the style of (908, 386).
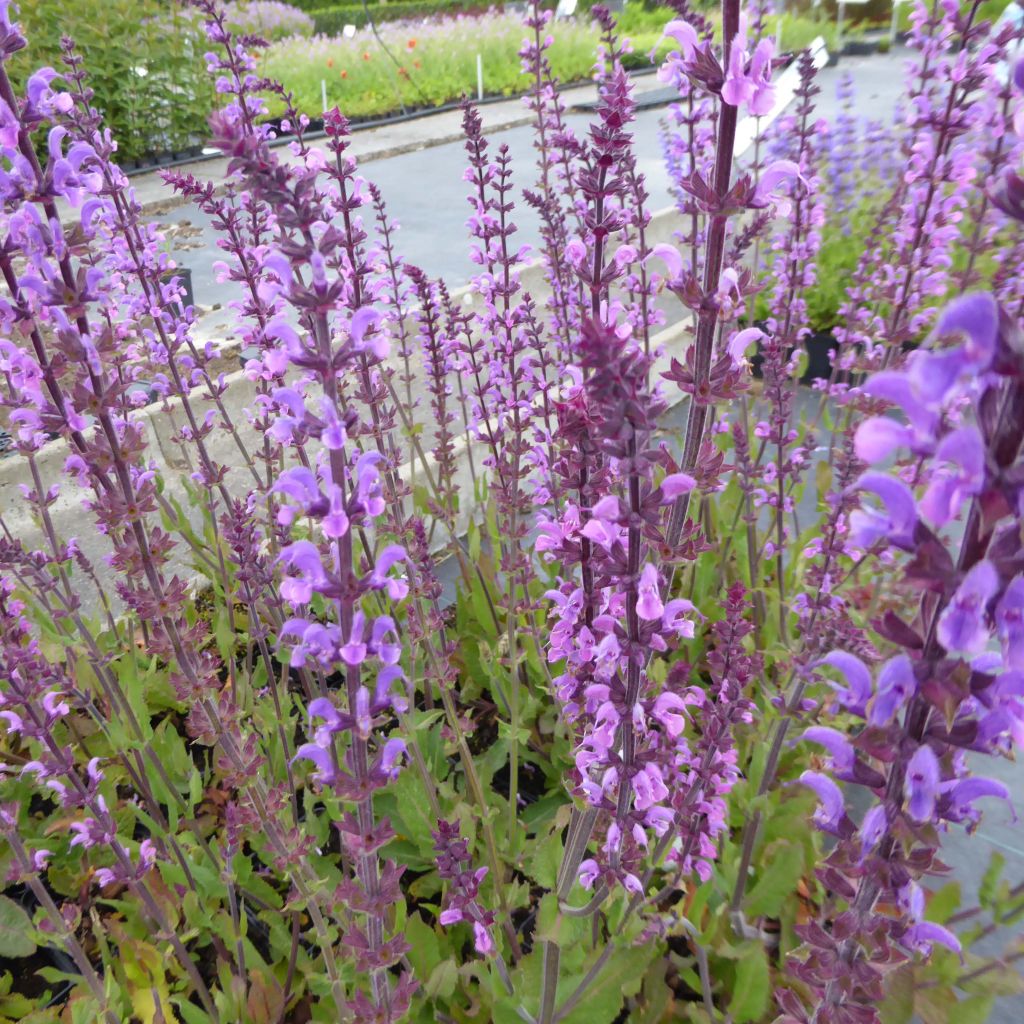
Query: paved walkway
(418, 166)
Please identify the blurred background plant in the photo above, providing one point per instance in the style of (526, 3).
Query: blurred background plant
(151, 82)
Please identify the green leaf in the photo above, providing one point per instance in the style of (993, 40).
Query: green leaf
(940, 1006)
(547, 860)
(561, 929)
(988, 891)
(15, 930)
(425, 950)
(944, 903)
(623, 976)
(777, 882)
(753, 983)
(898, 1005)
(442, 981)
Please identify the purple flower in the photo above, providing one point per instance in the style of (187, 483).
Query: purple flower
(649, 606)
(675, 484)
(899, 389)
(394, 749)
(831, 808)
(962, 626)
(1009, 619)
(895, 522)
(770, 180)
(921, 786)
(843, 754)
(855, 696)
(958, 803)
(878, 437)
(740, 343)
(896, 684)
(872, 828)
(749, 79)
(672, 259)
(589, 873)
(684, 34)
(482, 941)
(958, 472)
(323, 759)
(922, 935)
(670, 710)
(975, 318)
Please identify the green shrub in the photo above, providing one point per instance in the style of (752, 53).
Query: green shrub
(330, 21)
(436, 63)
(146, 67)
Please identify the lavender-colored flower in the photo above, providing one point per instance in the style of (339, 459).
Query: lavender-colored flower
(922, 783)
(831, 813)
(894, 522)
(963, 626)
(857, 693)
(1009, 620)
(896, 685)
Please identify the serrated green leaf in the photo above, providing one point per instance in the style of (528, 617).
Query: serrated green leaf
(622, 977)
(898, 1005)
(15, 930)
(442, 980)
(425, 950)
(944, 903)
(753, 983)
(777, 882)
(988, 890)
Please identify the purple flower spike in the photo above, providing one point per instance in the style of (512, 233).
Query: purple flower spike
(896, 684)
(831, 809)
(1010, 624)
(855, 696)
(922, 784)
(962, 627)
(898, 520)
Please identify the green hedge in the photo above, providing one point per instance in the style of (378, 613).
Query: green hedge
(145, 65)
(330, 21)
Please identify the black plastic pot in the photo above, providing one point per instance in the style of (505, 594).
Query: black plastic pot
(819, 365)
(860, 48)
